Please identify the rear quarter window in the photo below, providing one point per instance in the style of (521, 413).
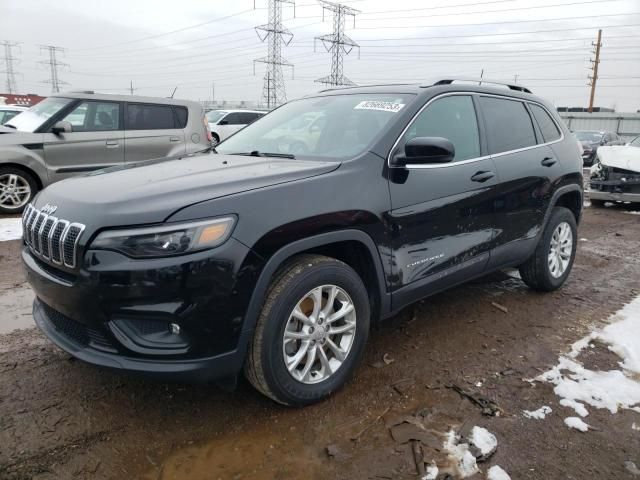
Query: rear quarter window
(547, 126)
(509, 126)
(182, 116)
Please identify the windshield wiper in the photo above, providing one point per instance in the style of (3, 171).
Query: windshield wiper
(256, 153)
(10, 126)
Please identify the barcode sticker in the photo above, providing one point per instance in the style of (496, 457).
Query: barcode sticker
(383, 106)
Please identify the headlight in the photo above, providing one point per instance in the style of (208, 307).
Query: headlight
(166, 240)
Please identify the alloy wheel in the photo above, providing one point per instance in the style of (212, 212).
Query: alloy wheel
(15, 191)
(319, 334)
(560, 249)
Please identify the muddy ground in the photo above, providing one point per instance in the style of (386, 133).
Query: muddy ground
(60, 418)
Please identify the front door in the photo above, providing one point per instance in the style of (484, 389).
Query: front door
(96, 140)
(442, 217)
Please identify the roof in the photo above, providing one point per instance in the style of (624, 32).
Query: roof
(126, 98)
(232, 110)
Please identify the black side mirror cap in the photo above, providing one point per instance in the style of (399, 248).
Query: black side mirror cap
(426, 150)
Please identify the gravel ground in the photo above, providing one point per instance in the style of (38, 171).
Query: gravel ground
(62, 419)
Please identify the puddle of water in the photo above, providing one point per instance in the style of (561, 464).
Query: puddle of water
(261, 454)
(15, 309)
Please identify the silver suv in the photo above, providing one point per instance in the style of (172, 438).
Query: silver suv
(70, 134)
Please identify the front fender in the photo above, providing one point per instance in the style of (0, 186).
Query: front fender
(302, 245)
(31, 158)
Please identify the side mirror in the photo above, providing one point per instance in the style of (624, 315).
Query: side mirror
(425, 150)
(223, 122)
(61, 127)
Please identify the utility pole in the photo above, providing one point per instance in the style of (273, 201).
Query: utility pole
(337, 43)
(274, 34)
(515, 78)
(131, 89)
(54, 65)
(9, 60)
(594, 77)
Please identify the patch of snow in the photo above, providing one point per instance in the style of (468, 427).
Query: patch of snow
(538, 414)
(461, 458)
(584, 239)
(632, 212)
(485, 441)
(497, 473)
(10, 229)
(577, 406)
(432, 472)
(613, 389)
(575, 422)
(635, 427)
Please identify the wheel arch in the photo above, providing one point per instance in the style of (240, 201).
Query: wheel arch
(570, 197)
(25, 169)
(351, 246)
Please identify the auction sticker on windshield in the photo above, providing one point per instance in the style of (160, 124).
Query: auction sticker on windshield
(383, 106)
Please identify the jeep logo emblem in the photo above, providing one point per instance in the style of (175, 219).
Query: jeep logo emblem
(49, 209)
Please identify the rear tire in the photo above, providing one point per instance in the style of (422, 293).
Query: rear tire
(550, 265)
(17, 189)
(282, 335)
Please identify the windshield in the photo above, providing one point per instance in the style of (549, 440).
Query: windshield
(335, 126)
(635, 142)
(215, 115)
(33, 118)
(593, 137)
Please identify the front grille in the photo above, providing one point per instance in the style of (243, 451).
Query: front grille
(50, 237)
(78, 332)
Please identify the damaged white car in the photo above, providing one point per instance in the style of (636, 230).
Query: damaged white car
(615, 175)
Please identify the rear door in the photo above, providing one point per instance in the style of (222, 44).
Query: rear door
(96, 140)
(151, 131)
(442, 214)
(527, 167)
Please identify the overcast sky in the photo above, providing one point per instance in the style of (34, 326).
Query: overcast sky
(545, 43)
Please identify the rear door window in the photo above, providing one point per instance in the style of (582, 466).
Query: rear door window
(547, 126)
(235, 118)
(149, 117)
(508, 124)
(453, 118)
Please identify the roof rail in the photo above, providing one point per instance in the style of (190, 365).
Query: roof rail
(480, 81)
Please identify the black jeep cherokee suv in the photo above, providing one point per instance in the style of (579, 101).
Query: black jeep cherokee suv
(277, 253)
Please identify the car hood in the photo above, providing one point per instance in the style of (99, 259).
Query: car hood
(620, 156)
(153, 191)
(4, 129)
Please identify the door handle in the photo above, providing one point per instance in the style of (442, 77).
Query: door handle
(482, 176)
(174, 139)
(112, 143)
(548, 161)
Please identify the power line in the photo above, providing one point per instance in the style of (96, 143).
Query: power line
(54, 65)
(9, 61)
(337, 43)
(594, 77)
(274, 34)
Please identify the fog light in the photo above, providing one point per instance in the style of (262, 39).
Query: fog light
(174, 328)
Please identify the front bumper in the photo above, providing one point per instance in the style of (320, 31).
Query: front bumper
(90, 346)
(116, 312)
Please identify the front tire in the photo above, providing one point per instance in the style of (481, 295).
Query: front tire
(311, 333)
(550, 265)
(17, 189)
